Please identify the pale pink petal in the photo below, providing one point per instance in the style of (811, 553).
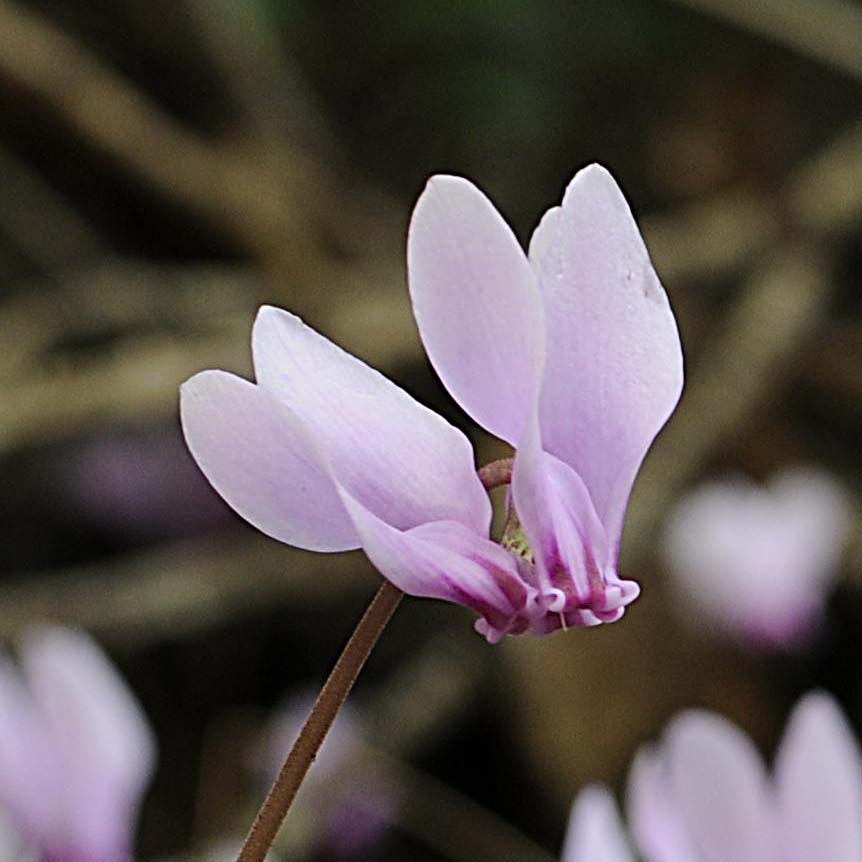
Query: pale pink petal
(755, 562)
(613, 369)
(257, 455)
(595, 832)
(571, 550)
(816, 514)
(653, 813)
(819, 779)
(13, 845)
(476, 304)
(544, 237)
(446, 560)
(27, 756)
(404, 462)
(719, 783)
(106, 747)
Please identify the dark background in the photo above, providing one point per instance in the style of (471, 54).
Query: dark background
(169, 166)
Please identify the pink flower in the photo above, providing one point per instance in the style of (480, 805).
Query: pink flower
(570, 353)
(595, 832)
(754, 563)
(76, 753)
(704, 795)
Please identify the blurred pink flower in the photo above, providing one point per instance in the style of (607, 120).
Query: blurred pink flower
(137, 484)
(595, 832)
(755, 563)
(352, 807)
(704, 795)
(76, 753)
(570, 353)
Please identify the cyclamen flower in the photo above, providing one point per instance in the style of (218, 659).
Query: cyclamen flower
(76, 753)
(754, 562)
(570, 353)
(704, 795)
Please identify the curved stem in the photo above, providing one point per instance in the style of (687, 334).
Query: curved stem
(329, 701)
(496, 473)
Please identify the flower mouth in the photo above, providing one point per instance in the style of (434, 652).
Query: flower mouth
(514, 539)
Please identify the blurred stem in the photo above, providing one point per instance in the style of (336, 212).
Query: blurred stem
(329, 701)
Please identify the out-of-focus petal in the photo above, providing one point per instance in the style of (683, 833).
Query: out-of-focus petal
(404, 462)
(819, 780)
(106, 747)
(653, 814)
(26, 755)
(720, 786)
(613, 365)
(476, 303)
(595, 832)
(257, 455)
(445, 560)
(815, 511)
(754, 562)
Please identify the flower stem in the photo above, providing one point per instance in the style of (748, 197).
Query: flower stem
(329, 701)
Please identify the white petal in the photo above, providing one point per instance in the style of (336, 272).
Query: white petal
(544, 237)
(595, 832)
(719, 783)
(654, 814)
(819, 778)
(28, 756)
(476, 303)
(613, 368)
(404, 462)
(105, 742)
(258, 456)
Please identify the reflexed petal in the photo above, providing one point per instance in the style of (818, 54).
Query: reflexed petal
(106, 748)
(444, 560)
(595, 832)
(559, 521)
(819, 778)
(257, 455)
(404, 462)
(476, 304)
(653, 813)
(613, 369)
(719, 784)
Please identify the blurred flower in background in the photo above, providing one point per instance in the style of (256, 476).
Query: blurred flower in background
(345, 809)
(140, 484)
(76, 753)
(703, 795)
(756, 563)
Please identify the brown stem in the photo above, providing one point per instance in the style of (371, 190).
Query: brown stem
(329, 701)
(496, 473)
